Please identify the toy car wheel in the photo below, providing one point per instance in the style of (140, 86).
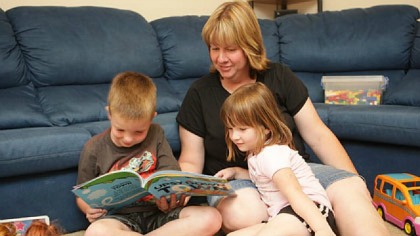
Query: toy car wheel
(409, 229)
(381, 212)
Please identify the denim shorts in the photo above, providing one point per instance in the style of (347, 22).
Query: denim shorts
(327, 175)
(236, 185)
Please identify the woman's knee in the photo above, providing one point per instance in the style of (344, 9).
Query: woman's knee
(348, 187)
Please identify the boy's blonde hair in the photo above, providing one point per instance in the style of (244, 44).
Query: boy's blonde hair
(235, 24)
(254, 105)
(132, 96)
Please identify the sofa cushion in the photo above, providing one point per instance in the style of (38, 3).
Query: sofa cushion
(184, 53)
(170, 127)
(397, 125)
(63, 44)
(167, 99)
(415, 54)
(166, 120)
(407, 92)
(334, 41)
(94, 128)
(20, 108)
(12, 69)
(270, 35)
(62, 104)
(37, 150)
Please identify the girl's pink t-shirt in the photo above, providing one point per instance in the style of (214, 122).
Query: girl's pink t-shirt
(264, 165)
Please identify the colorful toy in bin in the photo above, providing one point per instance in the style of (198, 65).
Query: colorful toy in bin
(396, 197)
(353, 97)
(354, 90)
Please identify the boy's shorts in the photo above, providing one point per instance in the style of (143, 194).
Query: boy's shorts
(147, 221)
(326, 175)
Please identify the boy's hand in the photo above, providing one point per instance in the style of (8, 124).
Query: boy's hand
(173, 203)
(93, 214)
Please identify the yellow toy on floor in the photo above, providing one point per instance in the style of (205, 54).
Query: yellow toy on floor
(397, 199)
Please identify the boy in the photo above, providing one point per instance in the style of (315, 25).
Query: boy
(134, 142)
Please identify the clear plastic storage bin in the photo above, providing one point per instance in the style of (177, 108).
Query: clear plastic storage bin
(354, 90)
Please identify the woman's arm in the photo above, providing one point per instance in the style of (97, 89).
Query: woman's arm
(286, 181)
(192, 152)
(321, 140)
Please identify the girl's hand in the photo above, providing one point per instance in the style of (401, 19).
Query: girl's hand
(233, 173)
(173, 203)
(93, 214)
(228, 173)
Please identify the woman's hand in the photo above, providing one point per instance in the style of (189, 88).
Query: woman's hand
(173, 203)
(93, 214)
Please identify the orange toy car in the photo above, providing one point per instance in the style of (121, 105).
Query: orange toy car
(397, 199)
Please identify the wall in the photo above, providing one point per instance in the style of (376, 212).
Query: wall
(150, 9)
(153, 9)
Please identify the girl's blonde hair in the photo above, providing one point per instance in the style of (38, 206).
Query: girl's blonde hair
(133, 96)
(234, 23)
(253, 105)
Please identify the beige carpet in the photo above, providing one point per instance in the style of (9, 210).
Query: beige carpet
(394, 231)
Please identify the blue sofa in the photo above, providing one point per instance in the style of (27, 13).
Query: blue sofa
(56, 64)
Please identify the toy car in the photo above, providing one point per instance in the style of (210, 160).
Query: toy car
(397, 199)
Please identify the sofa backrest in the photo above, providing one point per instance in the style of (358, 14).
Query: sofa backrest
(12, 69)
(374, 40)
(72, 53)
(19, 106)
(61, 45)
(415, 54)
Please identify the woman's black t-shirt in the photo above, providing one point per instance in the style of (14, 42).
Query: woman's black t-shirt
(200, 112)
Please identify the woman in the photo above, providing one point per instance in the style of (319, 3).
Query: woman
(238, 57)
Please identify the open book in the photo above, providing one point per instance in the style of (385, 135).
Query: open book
(121, 188)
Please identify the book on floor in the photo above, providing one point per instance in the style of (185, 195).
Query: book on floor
(20, 225)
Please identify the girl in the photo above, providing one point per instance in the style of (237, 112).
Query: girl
(297, 203)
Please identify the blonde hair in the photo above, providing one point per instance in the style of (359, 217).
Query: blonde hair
(254, 105)
(133, 96)
(234, 23)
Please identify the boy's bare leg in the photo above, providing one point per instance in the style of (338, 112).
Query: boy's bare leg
(353, 208)
(105, 227)
(193, 221)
